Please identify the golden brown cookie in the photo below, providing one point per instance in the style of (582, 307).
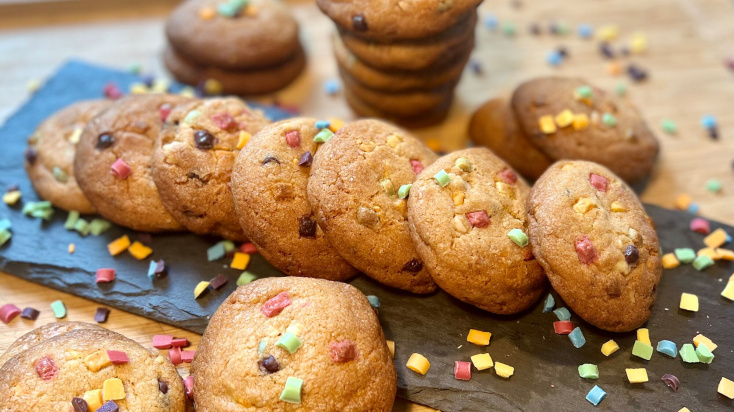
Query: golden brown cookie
(425, 119)
(193, 158)
(469, 227)
(113, 162)
(585, 122)
(596, 243)
(493, 125)
(278, 332)
(49, 160)
(269, 181)
(353, 191)
(38, 335)
(49, 375)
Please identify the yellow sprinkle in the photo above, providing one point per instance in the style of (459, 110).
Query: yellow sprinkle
(206, 13)
(725, 254)
(458, 198)
(547, 124)
(33, 85)
(94, 399)
(75, 136)
(637, 375)
(244, 139)
(335, 124)
(728, 291)
(607, 32)
(564, 118)
(699, 339)
(505, 189)
(139, 250)
(393, 140)
(707, 251)
(503, 370)
(609, 348)
(138, 88)
(478, 337)
(391, 346)
(643, 335)
(160, 86)
(638, 44)
(670, 261)
(726, 388)
(682, 202)
(251, 10)
(212, 86)
(188, 91)
(12, 197)
(418, 363)
(617, 207)
(113, 390)
(200, 288)
(689, 301)
(97, 360)
(72, 248)
(584, 205)
(240, 261)
(580, 121)
(482, 361)
(118, 245)
(684, 409)
(715, 238)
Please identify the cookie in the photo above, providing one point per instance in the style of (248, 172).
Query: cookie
(113, 162)
(294, 343)
(262, 35)
(38, 335)
(353, 191)
(460, 229)
(493, 125)
(397, 20)
(193, 158)
(269, 186)
(49, 375)
(240, 82)
(425, 119)
(596, 243)
(49, 160)
(585, 122)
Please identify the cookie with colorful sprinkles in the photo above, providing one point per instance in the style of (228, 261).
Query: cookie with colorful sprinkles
(41, 334)
(468, 223)
(597, 245)
(292, 343)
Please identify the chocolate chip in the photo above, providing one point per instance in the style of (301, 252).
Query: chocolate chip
(203, 139)
(359, 22)
(269, 365)
(104, 141)
(606, 50)
(79, 405)
(413, 266)
(270, 159)
(713, 133)
(637, 74)
(307, 227)
(163, 387)
(31, 156)
(631, 254)
(305, 160)
(562, 51)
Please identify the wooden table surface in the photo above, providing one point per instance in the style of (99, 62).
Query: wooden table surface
(689, 40)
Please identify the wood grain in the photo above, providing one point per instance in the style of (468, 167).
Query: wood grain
(689, 40)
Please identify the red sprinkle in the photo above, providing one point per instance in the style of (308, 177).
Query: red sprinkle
(343, 351)
(8, 312)
(478, 219)
(112, 91)
(164, 111)
(120, 169)
(162, 341)
(293, 138)
(45, 368)
(585, 250)
(508, 176)
(189, 386)
(248, 248)
(175, 356)
(105, 275)
(563, 327)
(599, 182)
(462, 370)
(275, 305)
(117, 357)
(416, 165)
(701, 226)
(180, 342)
(224, 121)
(188, 355)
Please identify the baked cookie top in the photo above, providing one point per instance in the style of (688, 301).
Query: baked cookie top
(386, 21)
(596, 243)
(271, 334)
(566, 118)
(77, 364)
(353, 191)
(468, 223)
(269, 185)
(113, 162)
(49, 160)
(261, 34)
(38, 335)
(193, 159)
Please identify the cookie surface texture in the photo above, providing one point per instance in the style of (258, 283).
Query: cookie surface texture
(42, 333)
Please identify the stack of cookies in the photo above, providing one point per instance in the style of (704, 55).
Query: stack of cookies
(401, 61)
(242, 47)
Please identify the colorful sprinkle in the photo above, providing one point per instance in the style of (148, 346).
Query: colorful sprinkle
(563, 327)
(667, 347)
(332, 87)
(442, 178)
(478, 337)
(549, 304)
(518, 236)
(101, 315)
(609, 348)
(482, 361)
(418, 363)
(669, 126)
(689, 302)
(8, 312)
(562, 314)
(59, 309)
(702, 340)
(478, 218)
(245, 278)
(577, 338)
(589, 371)
(503, 370)
(671, 381)
(636, 375)
(688, 354)
(726, 388)
(273, 306)
(596, 395)
(404, 191)
(462, 370)
(200, 288)
(323, 136)
(105, 275)
(704, 354)
(292, 391)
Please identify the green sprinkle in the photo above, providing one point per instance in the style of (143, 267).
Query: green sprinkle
(216, 252)
(688, 354)
(71, 220)
(519, 237)
(5, 224)
(192, 115)
(685, 255)
(620, 89)
(98, 226)
(5, 235)
(589, 371)
(404, 191)
(464, 164)
(713, 186)
(704, 354)
(82, 226)
(262, 346)
(60, 175)
(245, 278)
(228, 9)
(134, 68)
(228, 245)
(609, 119)
(702, 262)
(442, 178)
(292, 391)
(584, 92)
(289, 342)
(323, 136)
(239, 3)
(642, 350)
(41, 210)
(562, 314)
(562, 29)
(509, 29)
(669, 126)
(59, 309)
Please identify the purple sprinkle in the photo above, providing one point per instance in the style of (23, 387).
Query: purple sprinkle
(606, 50)
(562, 51)
(148, 79)
(218, 281)
(110, 406)
(12, 188)
(101, 315)
(305, 160)
(672, 382)
(31, 156)
(145, 238)
(636, 73)
(160, 269)
(30, 313)
(713, 133)
(476, 67)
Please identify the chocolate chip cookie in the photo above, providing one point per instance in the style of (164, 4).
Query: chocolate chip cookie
(49, 160)
(38, 335)
(269, 181)
(596, 243)
(354, 190)
(287, 343)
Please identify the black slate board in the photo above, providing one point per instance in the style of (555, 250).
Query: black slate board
(545, 364)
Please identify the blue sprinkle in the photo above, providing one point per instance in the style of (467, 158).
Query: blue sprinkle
(708, 121)
(216, 252)
(554, 58)
(332, 87)
(562, 314)
(5, 224)
(693, 208)
(491, 22)
(728, 238)
(374, 301)
(151, 270)
(668, 348)
(322, 124)
(550, 302)
(577, 337)
(585, 31)
(596, 395)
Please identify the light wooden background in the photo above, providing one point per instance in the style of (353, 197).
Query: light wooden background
(689, 40)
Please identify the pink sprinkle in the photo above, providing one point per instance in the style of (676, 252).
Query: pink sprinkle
(45, 368)
(599, 182)
(248, 248)
(701, 226)
(478, 219)
(293, 138)
(189, 386)
(462, 370)
(117, 357)
(164, 111)
(563, 327)
(175, 356)
(112, 91)
(188, 355)
(416, 165)
(343, 351)
(274, 306)
(162, 341)
(224, 121)
(120, 169)
(180, 342)
(105, 275)
(585, 250)
(8, 312)
(508, 176)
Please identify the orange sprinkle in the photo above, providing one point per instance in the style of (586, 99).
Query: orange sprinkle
(139, 250)
(725, 254)
(335, 124)
(682, 202)
(614, 69)
(206, 13)
(72, 248)
(715, 238)
(251, 10)
(434, 144)
(240, 261)
(118, 245)
(670, 261)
